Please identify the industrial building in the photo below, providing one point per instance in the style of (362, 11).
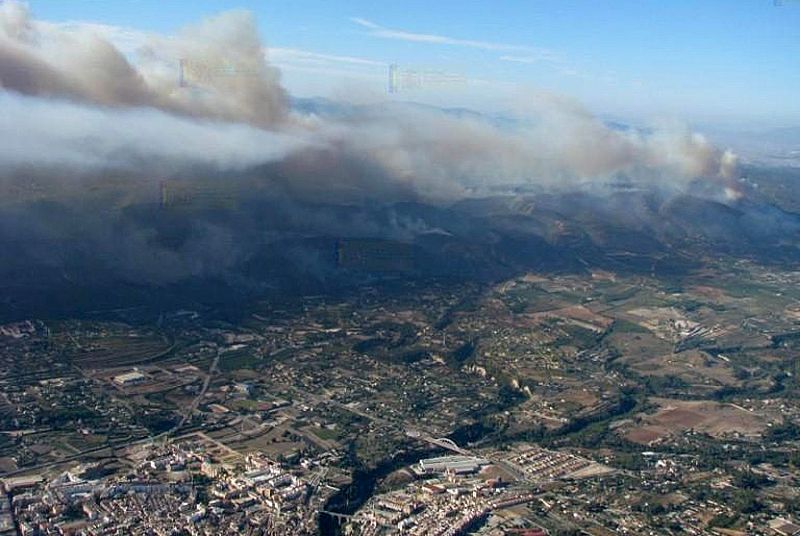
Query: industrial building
(130, 378)
(458, 465)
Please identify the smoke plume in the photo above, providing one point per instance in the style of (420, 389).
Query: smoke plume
(224, 54)
(188, 160)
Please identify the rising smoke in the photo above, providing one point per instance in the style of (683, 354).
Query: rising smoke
(228, 80)
(86, 126)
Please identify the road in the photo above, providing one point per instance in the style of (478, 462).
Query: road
(82, 453)
(199, 398)
(509, 468)
(326, 400)
(515, 472)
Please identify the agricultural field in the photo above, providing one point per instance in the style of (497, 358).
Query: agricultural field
(675, 417)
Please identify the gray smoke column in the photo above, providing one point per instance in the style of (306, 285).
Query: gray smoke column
(90, 134)
(554, 144)
(225, 58)
(238, 85)
(217, 70)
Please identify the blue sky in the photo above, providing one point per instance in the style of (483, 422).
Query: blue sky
(703, 61)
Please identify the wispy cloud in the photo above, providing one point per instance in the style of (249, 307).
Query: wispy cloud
(280, 55)
(402, 35)
(544, 55)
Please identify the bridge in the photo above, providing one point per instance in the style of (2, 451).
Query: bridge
(451, 445)
(442, 442)
(341, 518)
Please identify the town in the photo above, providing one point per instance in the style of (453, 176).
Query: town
(536, 404)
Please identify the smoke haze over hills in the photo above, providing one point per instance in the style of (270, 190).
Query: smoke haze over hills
(98, 148)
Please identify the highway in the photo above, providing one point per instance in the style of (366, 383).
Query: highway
(444, 443)
(199, 398)
(449, 444)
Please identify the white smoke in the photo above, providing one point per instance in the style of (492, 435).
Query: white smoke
(558, 145)
(48, 61)
(217, 71)
(58, 134)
